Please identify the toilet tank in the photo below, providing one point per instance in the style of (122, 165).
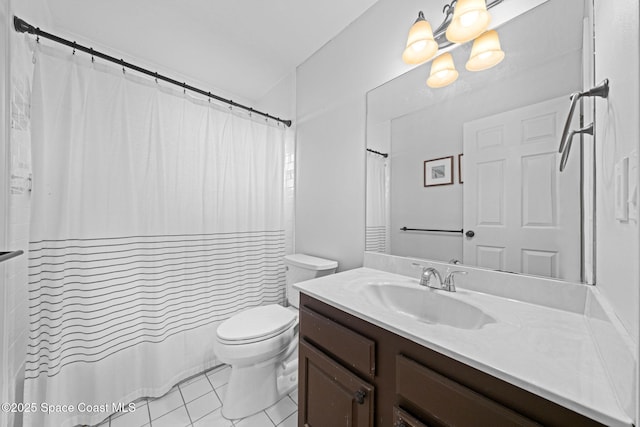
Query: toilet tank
(301, 267)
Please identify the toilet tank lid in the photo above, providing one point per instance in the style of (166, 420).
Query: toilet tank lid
(310, 262)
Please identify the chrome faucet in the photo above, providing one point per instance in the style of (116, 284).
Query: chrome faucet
(427, 274)
(448, 284)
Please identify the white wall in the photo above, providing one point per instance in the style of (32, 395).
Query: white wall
(280, 100)
(617, 136)
(331, 113)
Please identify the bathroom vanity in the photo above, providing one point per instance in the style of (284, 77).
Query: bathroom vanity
(486, 360)
(352, 369)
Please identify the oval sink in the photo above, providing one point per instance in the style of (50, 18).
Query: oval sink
(426, 305)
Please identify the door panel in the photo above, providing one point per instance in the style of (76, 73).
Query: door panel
(524, 217)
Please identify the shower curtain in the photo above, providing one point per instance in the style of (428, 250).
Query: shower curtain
(154, 217)
(376, 233)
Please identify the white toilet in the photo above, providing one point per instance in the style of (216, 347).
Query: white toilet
(261, 344)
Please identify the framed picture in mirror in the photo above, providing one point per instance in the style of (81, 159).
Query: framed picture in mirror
(438, 171)
(460, 180)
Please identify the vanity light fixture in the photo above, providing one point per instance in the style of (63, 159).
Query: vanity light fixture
(486, 52)
(421, 45)
(470, 19)
(464, 20)
(443, 72)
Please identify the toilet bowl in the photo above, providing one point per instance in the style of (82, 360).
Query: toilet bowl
(261, 345)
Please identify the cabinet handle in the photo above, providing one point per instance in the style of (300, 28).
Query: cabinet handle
(359, 396)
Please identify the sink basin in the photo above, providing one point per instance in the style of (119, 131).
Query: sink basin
(426, 305)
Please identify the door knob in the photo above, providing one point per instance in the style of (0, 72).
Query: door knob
(470, 233)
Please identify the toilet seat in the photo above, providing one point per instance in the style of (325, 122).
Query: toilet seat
(256, 324)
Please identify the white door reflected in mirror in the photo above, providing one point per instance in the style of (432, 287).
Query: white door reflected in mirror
(527, 216)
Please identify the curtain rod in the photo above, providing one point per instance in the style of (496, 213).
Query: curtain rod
(385, 155)
(23, 27)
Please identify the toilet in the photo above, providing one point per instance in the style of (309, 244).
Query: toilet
(261, 344)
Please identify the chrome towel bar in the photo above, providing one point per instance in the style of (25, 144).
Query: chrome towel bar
(588, 129)
(602, 91)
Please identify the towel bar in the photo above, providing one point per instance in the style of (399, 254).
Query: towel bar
(602, 91)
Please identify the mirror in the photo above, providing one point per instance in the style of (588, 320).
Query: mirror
(472, 168)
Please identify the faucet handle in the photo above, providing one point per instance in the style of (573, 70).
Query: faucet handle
(449, 283)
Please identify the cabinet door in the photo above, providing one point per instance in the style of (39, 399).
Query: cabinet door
(331, 396)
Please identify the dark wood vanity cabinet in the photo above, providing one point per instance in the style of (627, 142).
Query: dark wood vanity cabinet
(353, 373)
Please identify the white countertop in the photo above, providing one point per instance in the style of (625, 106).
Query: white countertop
(547, 351)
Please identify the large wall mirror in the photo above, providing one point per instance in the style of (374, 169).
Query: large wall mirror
(472, 169)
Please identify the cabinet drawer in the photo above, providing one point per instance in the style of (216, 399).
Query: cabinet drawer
(453, 403)
(345, 345)
(404, 419)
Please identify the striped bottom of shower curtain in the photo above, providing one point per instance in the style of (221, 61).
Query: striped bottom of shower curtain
(376, 239)
(126, 303)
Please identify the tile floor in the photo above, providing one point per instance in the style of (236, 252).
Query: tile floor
(197, 403)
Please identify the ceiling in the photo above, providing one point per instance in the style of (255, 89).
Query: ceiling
(237, 47)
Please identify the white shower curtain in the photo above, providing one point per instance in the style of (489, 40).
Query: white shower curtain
(154, 217)
(376, 233)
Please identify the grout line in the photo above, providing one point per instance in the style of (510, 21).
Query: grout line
(211, 384)
(295, 413)
(148, 412)
(184, 402)
(265, 412)
(219, 397)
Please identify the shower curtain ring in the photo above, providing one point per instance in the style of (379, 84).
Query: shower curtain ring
(74, 48)
(184, 88)
(156, 77)
(92, 58)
